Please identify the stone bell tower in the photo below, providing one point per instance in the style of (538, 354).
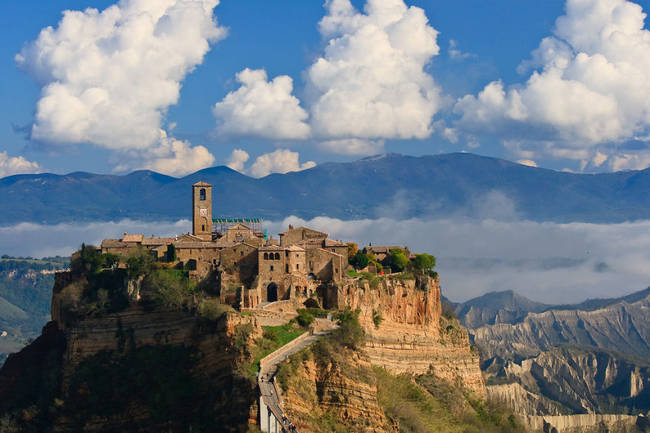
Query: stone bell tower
(202, 210)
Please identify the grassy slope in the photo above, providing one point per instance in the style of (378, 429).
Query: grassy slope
(426, 404)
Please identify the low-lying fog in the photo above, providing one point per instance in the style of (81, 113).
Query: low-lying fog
(547, 262)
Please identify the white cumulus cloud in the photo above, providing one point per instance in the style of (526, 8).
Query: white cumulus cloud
(10, 165)
(177, 158)
(279, 161)
(353, 146)
(108, 77)
(237, 159)
(589, 90)
(262, 108)
(370, 81)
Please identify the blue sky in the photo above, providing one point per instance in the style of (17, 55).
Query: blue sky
(480, 45)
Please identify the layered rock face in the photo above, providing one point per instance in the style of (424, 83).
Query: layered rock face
(405, 332)
(341, 392)
(134, 370)
(623, 327)
(578, 381)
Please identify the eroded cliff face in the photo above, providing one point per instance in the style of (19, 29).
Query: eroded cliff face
(135, 370)
(340, 392)
(623, 327)
(576, 380)
(406, 333)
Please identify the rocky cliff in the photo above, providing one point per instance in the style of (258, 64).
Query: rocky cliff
(132, 370)
(576, 381)
(333, 392)
(622, 327)
(406, 332)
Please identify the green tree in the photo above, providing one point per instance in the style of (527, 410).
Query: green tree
(398, 260)
(171, 253)
(360, 260)
(424, 263)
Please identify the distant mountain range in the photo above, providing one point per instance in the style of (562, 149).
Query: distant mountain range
(427, 186)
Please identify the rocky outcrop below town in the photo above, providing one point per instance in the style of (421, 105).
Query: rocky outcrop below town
(406, 332)
(134, 370)
(114, 358)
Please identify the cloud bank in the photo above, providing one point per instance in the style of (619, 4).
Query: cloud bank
(108, 77)
(588, 93)
(10, 165)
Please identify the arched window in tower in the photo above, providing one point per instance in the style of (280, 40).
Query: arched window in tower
(277, 256)
(202, 194)
(266, 256)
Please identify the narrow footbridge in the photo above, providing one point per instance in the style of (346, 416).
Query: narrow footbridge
(272, 417)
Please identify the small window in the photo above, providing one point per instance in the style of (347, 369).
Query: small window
(203, 227)
(266, 256)
(286, 253)
(271, 268)
(286, 268)
(277, 256)
(241, 253)
(333, 250)
(202, 194)
(297, 266)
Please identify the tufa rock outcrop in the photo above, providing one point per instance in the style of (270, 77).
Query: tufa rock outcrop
(406, 332)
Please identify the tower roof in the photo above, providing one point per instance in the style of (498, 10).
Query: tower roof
(201, 183)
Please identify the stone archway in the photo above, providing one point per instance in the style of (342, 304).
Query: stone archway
(272, 292)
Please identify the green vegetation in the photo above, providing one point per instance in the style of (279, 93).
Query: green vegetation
(273, 338)
(25, 297)
(398, 260)
(424, 263)
(427, 403)
(167, 289)
(376, 318)
(305, 318)
(359, 260)
(213, 309)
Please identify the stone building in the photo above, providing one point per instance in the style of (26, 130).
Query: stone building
(241, 263)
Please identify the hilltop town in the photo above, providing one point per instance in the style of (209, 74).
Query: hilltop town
(243, 264)
(191, 332)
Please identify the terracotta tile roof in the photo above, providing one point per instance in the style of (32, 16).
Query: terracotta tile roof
(194, 244)
(302, 229)
(156, 241)
(333, 243)
(201, 183)
(132, 238)
(113, 243)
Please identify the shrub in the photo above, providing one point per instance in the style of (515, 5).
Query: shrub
(213, 309)
(305, 318)
(349, 333)
(376, 318)
(140, 262)
(398, 260)
(166, 289)
(424, 263)
(359, 260)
